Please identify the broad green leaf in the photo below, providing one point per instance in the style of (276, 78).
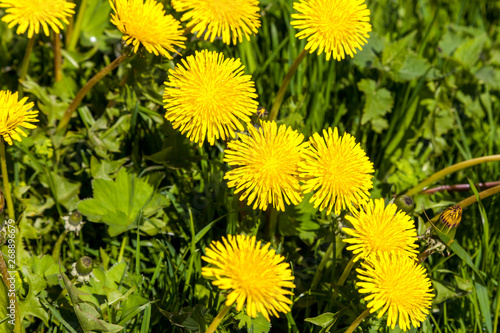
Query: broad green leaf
(468, 53)
(413, 67)
(395, 53)
(118, 203)
(30, 305)
(378, 102)
(253, 325)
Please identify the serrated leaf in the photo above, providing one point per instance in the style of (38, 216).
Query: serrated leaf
(118, 203)
(378, 102)
(468, 53)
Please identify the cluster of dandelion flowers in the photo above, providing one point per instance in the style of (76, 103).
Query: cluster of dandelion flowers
(337, 170)
(253, 274)
(336, 27)
(15, 114)
(230, 19)
(208, 97)
(31, 14)
(378, 228)
(397, 285)
(146, 23)
(266, 165)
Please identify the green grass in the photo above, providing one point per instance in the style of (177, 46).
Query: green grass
(423, 94)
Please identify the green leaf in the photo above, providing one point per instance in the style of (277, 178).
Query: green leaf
(395, 53)
(118, 203)
(30, 305)
(325, 320)
(253, 325)
(378, 102)
(413, 67)
(468, 53)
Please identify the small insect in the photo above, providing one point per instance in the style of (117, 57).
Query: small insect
(261, 112)
(452, 216)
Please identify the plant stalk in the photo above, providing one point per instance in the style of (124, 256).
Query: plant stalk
(321, 266)
(357, 321)
(25, 64)
(86, 88)
(57, 58)
(217, 320)
(451, 169)
(75, 34)
(284, 85)
(6, 183)
(346, 272)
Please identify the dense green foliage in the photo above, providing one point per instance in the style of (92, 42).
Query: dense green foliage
(423, 94)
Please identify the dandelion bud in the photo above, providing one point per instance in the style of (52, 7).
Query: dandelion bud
(82, 269)
(405, 203)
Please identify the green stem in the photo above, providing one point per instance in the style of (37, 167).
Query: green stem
(213, 326)
(24, 64)
(472, 199)
(322, 264)
(346, 272)
(75, 34)
(57, 247)
(357, 321)
(273, 223)
(86, 88)
(284, 85)
(6, 183)
(57, 58)
(451, 169)
(122, 249)
(12, 297)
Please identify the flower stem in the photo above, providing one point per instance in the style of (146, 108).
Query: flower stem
(75, 34)
(24, 65)
(86, 88)
(213, 326)
(357, 321)
(12, 296)
(284, 85)
(322, 264)
(346, 272)
(272, 224)
(57, 58)
(6, 184)
(451, 169)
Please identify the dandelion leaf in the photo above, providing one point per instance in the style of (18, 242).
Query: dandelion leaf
(377, 103)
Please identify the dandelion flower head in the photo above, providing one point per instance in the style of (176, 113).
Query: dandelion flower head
(254, 274)
(378, 228)
(336, 27)
(337, 170)
(230, 19)
(31, 14)
(266, 165)
(209, 97)
(15, 114)
(144, 22)
(397, 285)
(452, 216)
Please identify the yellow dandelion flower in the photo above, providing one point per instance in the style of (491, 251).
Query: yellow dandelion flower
(397, 285)
(31, 14)
(209, 97)
(452, 216)
(377, 229)
(337, 170)
(337, 27)
(230, 19)
(13, 115)
(146, 23)
(266, 165)
(255, 275)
